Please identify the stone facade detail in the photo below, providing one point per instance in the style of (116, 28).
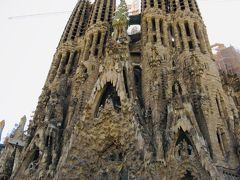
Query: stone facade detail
(2, 124)
(10, 155)
(150, 106)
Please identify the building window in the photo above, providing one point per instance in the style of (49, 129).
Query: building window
(180, 37)
(182, 5)
(190, 5)
(159, 4)
(187, 29)
(167, 6)
(151, 3)
(153, 25)
(138, 84)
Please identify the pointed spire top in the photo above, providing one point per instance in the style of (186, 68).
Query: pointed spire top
(121, 14)
(2, 124)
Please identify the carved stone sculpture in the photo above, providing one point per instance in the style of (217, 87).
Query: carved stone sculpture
(145, 106)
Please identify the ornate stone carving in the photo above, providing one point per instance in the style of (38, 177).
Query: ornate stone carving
(119, 106)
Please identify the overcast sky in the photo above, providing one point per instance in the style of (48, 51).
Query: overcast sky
(27, 46)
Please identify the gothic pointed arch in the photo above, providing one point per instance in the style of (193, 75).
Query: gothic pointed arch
(109, 95)
(187, 158)
(186, 137)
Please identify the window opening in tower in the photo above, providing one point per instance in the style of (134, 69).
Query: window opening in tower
(159, 4)
(182, 5)
(138, 83)
(125, 82)
(167, 6)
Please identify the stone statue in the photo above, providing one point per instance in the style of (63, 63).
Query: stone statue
(2, 124)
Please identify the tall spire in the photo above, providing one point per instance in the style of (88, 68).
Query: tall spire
(2, 124)
(77, 23)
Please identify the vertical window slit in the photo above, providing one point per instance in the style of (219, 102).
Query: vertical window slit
(180, 37)
(153, 25)
(171, 35)
(187, 29)
(126, 82)
(218, 106)
(138, 84)
(161, 30)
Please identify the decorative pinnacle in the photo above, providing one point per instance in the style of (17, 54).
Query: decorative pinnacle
(2, 124)
(121, 15)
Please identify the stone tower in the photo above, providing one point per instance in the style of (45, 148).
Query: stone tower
(146, 106)
(2, 124)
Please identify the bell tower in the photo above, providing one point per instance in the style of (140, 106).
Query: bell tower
(184, 86)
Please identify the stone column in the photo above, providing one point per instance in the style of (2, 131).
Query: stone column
(178, 4)
(198, 32)
(62, 65)
(193, 36)
(148, 4)
(186, 5)
(94, 43)
(184, 36)
(171, 5)
(176, 35)
(206, 40)
(165, 34)
(94, 11)
(144, 31)
(70, 63)
(194, 6)
(100, 10)
(87, 46)
(149, 24)
(101, 45)
(163, 6)
(54, 67)
(107, 10)
(81, 21)
(156, 3)
(202, 40)
(158, 31)
(156, 121)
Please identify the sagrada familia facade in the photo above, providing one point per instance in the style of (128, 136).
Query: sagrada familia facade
(146, 106)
